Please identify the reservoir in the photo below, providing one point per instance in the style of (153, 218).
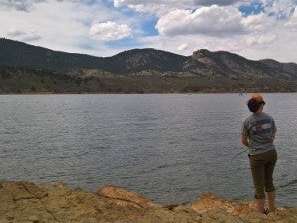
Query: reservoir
(168, 147)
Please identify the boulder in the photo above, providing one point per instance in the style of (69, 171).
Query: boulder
(124, 197)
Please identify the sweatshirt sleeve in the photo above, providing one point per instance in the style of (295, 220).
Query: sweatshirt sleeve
(274, 126)
(244, 129)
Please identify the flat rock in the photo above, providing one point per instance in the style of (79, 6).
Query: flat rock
(25, 202)
(125, 198)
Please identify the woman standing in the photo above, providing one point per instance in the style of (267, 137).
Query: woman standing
(258, 134)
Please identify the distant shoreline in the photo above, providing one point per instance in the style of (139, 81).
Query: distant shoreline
(149, 93)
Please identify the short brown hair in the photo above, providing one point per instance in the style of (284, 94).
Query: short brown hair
(255, 103)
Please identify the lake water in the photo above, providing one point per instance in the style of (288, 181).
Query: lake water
(171, 148)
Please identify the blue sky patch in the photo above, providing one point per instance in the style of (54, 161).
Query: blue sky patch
(253, 8)
(148, 26)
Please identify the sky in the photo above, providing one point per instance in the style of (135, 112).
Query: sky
(255, 29)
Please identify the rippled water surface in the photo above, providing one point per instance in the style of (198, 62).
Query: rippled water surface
(170, 148)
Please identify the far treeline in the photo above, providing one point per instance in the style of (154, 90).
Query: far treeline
(30, 69)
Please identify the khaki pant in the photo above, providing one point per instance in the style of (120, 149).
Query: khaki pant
(262, 166)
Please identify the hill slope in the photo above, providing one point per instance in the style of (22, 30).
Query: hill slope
(18, 54)
(138, 70)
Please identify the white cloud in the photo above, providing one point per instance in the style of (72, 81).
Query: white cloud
(280, 9)
(213, 20)
(21, 5)
(119, 3)
(261, 39)
(265, 36)
(108, 31)
(156, 7)
(291, 24)
(258, 22)
(59, 25)
(161, 7)
(183, 47)
(131, 3)
(25, 36)
(216, 2)
(56, 23)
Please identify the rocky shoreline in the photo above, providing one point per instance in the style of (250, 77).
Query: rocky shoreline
(25, 202)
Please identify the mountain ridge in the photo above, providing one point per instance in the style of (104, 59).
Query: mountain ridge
(136, 49)
(204, 70)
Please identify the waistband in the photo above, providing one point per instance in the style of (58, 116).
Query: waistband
(253, 152)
